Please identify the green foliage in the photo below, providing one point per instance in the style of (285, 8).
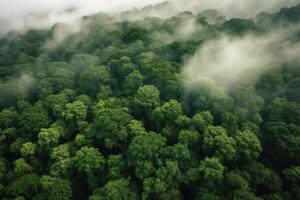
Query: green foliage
(75, 111)
(211, 169)
(114, 190)
(92, 79)
(202, 120)
(33, 118)
(216, 139)
(147, 98)
(109, 113)
(116, 165)
(8, 117)
(143, 153)
(88, 159)
(60, 161)
(55, 188)
(167, 113)
(48, 137)
(248, 145)
(132, 82)
(239, 26)
(292, 175)
(22, 167)
(26, 186)
(187, 137)
(112, 127)
(28, 149)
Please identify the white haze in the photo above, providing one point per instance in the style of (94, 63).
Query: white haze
(228, 61)
(22, 15)
(185, 30)
(236, 8)
(61, 32)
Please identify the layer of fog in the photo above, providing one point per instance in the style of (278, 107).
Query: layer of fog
(22, 15)
(236, 8)
(228, 8)
(229, 61)
(16, 87)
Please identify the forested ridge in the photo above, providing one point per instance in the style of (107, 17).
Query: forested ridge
(106, 113)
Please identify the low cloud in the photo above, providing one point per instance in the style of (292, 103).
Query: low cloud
(21, 15)
(234, 8)
(228, 61)
(60, 32)
(15, 89)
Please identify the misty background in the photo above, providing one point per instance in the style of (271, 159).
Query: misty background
(21, 15)
(25, 14)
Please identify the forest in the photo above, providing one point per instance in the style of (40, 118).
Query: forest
(123, 108)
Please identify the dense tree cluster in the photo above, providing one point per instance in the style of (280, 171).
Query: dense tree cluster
(106, 115)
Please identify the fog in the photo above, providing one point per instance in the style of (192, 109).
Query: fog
(228, 61)
(237, 8)
(21, 15)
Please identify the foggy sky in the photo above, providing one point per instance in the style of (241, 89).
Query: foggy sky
(25, 14)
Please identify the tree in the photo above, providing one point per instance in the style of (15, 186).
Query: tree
(33, 118)
(2, 168)
(55, 188)
(22, 167)
(112, 127)
(239, 26)
(206, 194)
(153, 188)
(262, 179)
(146, 98)
(56, 103)
(115, 190)
(202, 120)
(215, 139)
(212, 170)
(188, 137)
(49, 137)
(88, 159)
(282, 110)
(123, 68)
(143, 153)
(60, 161)
(8, 117)
(132, 34)
(26, 186)
(247, 103)
(62, 76)
(132, 82)
(92, 79)
(75, 111)
(116, 166)
(206, 96)
(292, 175)
(166, 114)
(28, 149)
(169, 173)
(247, 145)
(80, 62)
(179, 153)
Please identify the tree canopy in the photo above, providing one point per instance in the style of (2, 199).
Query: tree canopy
(110, 114)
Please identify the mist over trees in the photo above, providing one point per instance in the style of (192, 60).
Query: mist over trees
(193, 106)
